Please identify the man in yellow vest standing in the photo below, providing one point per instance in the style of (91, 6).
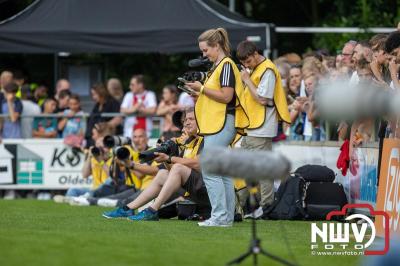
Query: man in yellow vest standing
(266, 104)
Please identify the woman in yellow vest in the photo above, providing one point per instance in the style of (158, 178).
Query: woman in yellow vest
(220, 115)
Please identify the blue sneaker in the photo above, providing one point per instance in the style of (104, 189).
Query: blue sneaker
(145, 215)
(118, 213)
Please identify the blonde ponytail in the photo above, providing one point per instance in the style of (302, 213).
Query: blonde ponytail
(216, 36)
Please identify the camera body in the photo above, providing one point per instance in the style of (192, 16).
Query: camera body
(168, 147)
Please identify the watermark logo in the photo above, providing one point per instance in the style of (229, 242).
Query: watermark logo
(335, 237)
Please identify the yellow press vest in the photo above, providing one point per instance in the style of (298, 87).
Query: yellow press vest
(138, 183)
(192, 148)
(210, 114)
(99, 175)
(255, 110)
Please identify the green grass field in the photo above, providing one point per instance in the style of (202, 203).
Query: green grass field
(45, 233)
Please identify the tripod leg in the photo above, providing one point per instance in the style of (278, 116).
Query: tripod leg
(282, 261)
(254, 259)
(240, 258)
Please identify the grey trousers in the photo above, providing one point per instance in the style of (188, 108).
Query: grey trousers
(266, 186)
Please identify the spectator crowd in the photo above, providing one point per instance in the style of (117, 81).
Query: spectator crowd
(29, 112)
(359, 61)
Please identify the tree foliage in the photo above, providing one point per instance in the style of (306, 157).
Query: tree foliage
(358, 13)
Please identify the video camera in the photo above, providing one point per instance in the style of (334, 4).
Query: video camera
(168, 147)
(191, 76)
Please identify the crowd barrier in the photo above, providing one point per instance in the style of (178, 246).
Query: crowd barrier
(47, 164)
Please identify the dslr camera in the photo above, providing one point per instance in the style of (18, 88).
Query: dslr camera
(168, 147)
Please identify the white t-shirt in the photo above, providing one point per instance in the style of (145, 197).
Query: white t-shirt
(354, 79)
(149, 100)
(185, 100)
(266, 89)
(308, 127)
(29, 108)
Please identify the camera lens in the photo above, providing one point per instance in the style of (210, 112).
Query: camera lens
(95, 151)
(122, 153)
(109, 141)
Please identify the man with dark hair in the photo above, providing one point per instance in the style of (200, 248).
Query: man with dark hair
(11, 106)
(266, 103)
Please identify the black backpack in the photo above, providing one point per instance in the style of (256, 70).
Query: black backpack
(316, 173)
(288, 201)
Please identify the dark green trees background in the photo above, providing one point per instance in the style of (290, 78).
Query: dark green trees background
(163, 69)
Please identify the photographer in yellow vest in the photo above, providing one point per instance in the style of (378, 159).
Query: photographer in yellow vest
(265, 100)
(220, 115)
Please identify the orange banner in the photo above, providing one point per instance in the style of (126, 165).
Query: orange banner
(388, 198)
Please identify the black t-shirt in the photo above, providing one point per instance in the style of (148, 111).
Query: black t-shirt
(110, 106)
(227, 79)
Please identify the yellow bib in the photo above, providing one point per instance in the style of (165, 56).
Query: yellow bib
(192, 148)
(255, 110)
(210, 114)
(99, 175)
(136, 181)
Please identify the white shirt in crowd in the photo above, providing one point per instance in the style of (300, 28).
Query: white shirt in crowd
(354, 79)
(266, 89)
(28, 108)
(149, 100)
(185, 100)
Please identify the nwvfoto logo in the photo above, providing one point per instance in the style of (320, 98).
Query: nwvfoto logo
(337, 235)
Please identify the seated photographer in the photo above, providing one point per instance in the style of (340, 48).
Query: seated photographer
(96, 166)
(102, 197)
(180, 172)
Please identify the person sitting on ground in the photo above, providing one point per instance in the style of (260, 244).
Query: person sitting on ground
(139, 144)
(180, 172)
(46, 127)
(94, 166)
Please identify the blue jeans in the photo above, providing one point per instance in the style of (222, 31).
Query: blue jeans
(220, 188)
(76, 192)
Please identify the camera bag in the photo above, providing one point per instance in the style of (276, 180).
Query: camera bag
(186, 209)
(322, 198)
(288, 201)
(316, 173)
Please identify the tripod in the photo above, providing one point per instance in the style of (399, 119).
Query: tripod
(255, 247)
